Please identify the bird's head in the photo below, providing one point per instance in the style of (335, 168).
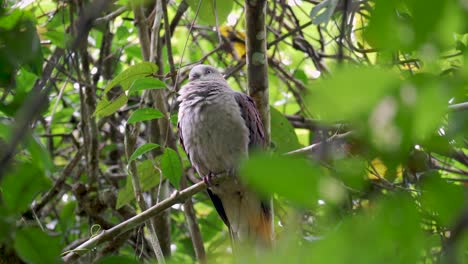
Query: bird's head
(205, 73)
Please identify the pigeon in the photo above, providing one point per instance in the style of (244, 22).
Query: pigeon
(218, 127)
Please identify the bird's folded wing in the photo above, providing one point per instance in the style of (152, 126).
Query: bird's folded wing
(253, 121)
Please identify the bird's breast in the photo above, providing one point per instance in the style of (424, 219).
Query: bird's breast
(214, 133)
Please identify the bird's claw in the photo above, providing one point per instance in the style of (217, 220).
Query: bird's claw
(208, 179)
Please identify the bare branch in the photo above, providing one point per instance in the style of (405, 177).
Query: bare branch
(106, 235)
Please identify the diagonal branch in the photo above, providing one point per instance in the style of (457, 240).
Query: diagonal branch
(109, 234)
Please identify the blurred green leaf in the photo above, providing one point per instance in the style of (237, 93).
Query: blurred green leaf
(293, 178)
(105, 107)
(24, 182)
(322, 12)
(39, 154)
(126, 194)
(126, 78)
(207, 10)
(118, 260)
(142, 150)
(24, 82)
(146, 84)
(389, 233)
(7, 224)
(171, 167)
(9, 21)
(444, 200)
(283, 135)
(338, 98)
(352, 172)
(58, 38)
(429, 105)
(67, 215)
(34, 246)
(20, 46)
(144, 114)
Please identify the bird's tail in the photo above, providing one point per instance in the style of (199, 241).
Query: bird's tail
(250, 222)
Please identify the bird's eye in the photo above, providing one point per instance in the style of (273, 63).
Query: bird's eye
(208, 71)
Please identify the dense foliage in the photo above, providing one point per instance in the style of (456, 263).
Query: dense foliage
(368, 160)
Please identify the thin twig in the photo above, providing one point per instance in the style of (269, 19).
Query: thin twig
(130, 141)
(316, 145)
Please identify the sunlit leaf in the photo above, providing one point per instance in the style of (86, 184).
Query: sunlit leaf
(144, 114)
(142, 150)
(322, 12)
(132, 73)
(146, 84)
(105, 107)
(207, 10)
(171, 166)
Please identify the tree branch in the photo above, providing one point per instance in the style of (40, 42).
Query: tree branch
(106, 235)
(257, 62)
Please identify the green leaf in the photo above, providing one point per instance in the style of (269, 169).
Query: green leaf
(171, 167)
(144, 114)
(293, 178)
(142, 150)
(395, 225)
(9, 21)
(351, 171)
(39, 154)
(20, 46)
(125, 194)
(59, 38)
(149, 177)
(105, 107)
(67, 215)
(322, 12)
(430, 105)
(7, 224)
(174, 119)
(444, 200)
(34, 246)
(146, 84)
(207, 10)
(338, 98)
(118, 260)
(283, 135)
(22, 185)
(132, 73)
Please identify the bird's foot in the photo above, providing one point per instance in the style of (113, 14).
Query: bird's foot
(208, 179)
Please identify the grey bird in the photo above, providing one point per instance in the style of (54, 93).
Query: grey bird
(217, 128)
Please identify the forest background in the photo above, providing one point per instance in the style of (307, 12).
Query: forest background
(365, 103)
